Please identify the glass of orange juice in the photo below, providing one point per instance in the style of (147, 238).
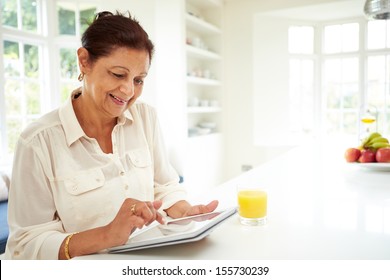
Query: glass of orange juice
(252, 205)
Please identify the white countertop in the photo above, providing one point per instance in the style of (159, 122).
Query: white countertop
(320, 208)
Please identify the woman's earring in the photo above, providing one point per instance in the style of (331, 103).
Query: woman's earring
(80, 77)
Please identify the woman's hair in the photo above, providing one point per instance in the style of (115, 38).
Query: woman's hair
(109, 31)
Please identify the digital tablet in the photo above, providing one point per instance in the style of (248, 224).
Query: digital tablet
(174, 231)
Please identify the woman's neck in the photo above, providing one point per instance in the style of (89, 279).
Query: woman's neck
(94, 124)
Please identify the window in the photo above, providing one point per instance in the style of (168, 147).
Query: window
(351, 75)
(301, 69)
(23, 86)
(39, 64)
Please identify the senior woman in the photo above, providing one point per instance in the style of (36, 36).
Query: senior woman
(86, 175)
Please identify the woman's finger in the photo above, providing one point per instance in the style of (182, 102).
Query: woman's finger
(201, 209)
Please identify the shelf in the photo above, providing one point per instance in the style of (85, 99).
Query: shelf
(205, 137)
(203, 49)
(202, 81)
(200, 26)
(202, 53)
(200, 109)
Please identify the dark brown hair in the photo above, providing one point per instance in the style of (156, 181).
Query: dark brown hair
(109, 31)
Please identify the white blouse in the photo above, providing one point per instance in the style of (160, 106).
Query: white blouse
(62, 181)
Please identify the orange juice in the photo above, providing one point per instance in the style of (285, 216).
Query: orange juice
(252, 203)
(367, 120)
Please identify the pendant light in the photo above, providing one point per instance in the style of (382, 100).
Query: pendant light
(377, 9)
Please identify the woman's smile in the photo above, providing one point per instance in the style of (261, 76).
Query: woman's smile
(117, 100)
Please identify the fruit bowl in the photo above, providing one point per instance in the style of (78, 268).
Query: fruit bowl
(373, 149)
(375, 166)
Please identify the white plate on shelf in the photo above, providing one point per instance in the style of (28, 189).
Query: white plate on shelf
(376, 166)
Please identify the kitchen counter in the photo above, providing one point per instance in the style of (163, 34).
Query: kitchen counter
(319, 207)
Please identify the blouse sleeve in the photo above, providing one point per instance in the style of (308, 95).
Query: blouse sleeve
(36, 232)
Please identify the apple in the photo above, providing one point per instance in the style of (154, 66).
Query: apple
(352, 154)
(367, 156)
(383, 155)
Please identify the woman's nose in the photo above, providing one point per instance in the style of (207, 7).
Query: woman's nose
(127, 88)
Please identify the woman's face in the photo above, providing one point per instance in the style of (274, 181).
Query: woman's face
(113, 83)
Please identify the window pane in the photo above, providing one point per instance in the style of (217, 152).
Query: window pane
(66, 90)
(349, 122)
(87, 14)
(378, 88)
(14, 127)
(67, 18)
(32, 92)
(350, 70)
(332, 39)
(29, 15)
(301, 39)
(333, 96)
(341, 89)
(332, 71)
(12, 98)
(301, 101)
(376, 34)
(9, 15)
(376, 77)
(12, 65)
(68, 61)
(341, 38)
(31, 61)
(333, 121)
(351, 96)
(388, 34)
(350, 35)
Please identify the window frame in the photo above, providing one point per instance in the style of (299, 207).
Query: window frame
(50, 41)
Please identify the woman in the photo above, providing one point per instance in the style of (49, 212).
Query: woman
(88, 174)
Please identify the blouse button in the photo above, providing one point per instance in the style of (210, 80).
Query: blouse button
(122, 173)
(126, 187)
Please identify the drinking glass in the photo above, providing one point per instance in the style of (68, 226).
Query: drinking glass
(252, 205)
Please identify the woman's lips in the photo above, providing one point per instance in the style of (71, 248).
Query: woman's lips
(118, 100)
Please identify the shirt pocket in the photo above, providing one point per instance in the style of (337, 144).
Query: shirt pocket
(139, 158)
(89, 202)
(84, 182)
(140, 175)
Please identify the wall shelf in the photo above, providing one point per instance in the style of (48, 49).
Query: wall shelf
(199, 53)
(203, 81)
(199, 109)
(201, 26)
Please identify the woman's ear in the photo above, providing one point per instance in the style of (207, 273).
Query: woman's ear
(83, 57)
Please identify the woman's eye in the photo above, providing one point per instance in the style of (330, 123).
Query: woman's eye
(139, 81)
(118, 75)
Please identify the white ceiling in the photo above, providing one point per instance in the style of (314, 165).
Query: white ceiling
(326, 11)
(334, 9)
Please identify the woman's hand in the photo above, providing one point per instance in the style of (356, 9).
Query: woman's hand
(133, 214)
(182, 208)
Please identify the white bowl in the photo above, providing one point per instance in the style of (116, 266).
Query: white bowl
(203, 131)
(210, 125)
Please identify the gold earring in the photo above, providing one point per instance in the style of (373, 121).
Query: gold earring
(80, 77)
